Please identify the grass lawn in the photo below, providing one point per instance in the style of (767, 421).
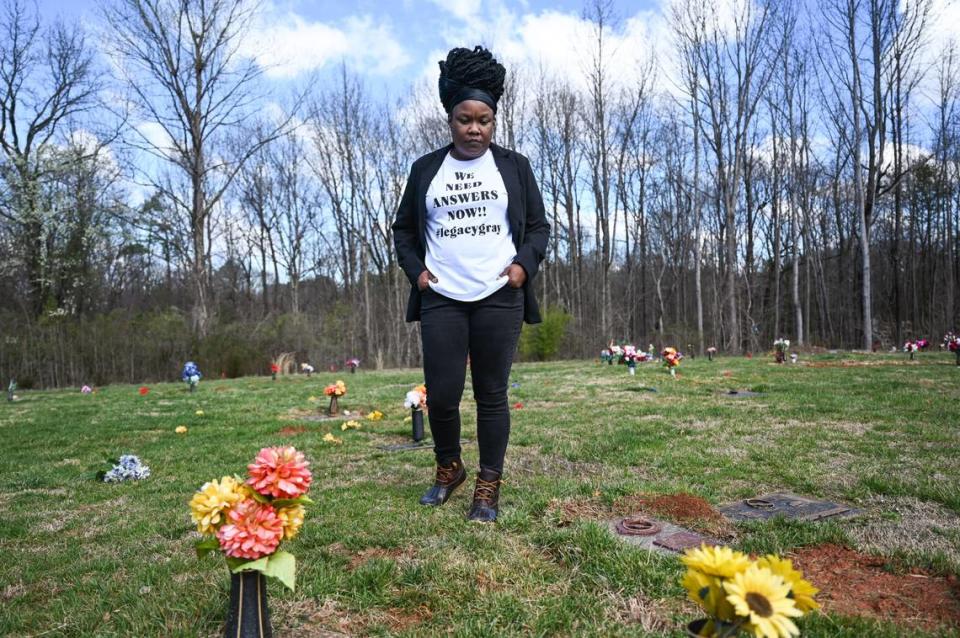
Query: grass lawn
(83, 558)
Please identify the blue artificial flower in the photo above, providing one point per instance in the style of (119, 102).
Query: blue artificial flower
(128, 468)
(190, 370)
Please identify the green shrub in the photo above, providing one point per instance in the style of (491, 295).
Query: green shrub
(542, 341)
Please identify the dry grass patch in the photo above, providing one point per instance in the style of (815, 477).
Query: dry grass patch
(917, 526)
(652, 615)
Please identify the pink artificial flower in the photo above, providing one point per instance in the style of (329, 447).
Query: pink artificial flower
(280, 472)
(252, 530)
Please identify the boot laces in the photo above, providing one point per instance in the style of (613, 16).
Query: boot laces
(447, 474)
(486, 490)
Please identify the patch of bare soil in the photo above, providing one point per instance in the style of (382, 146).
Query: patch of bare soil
(680, 508)
(291, 430)
(857, 584)
(565, 512)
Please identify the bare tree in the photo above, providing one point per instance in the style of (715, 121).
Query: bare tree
(181, 62)
(47, 81)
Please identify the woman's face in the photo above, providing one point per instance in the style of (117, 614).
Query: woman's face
(471, 126)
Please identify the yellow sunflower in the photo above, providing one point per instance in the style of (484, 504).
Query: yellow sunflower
(802, 591)
(208, 506)
(707, 591)
(763, 598)
(716, 561)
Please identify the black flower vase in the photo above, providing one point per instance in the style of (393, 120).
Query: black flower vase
(694, 628)
(417, 425)
(958, 356)
(248, 616)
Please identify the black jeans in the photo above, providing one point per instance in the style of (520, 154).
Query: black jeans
(488, 330)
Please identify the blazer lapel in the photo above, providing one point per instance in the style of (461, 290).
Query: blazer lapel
(511, 181)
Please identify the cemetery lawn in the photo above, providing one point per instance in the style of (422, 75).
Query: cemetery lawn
(83, 558)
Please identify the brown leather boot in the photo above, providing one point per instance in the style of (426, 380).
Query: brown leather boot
(486, 497)
(449, 478)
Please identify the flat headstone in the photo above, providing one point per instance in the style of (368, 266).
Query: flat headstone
(670, 539)
(739, 394)
(681, 541)
(426, 444)
(321, 417)
(784, 504)
(641, 389)
(402, 447)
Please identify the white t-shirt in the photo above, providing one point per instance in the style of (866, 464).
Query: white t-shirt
(468, 234)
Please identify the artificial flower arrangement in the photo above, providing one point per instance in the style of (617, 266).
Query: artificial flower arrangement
(11, 390)
(616, 352)
(191, 375)
(127, 468)
(416, 402)
(781, 346)
(631, 356)
(86, 390)
(711, 351)
(606, 356)
(760, 597)
(375, 415)
(274, 369)
(353, 363)
(247, 519)
(952, 343)
(335, 391)
(911, 348)
(922, 344)
(671, 359)
(306, 369)
(350, 425)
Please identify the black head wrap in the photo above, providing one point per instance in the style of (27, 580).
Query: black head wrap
(470, 75)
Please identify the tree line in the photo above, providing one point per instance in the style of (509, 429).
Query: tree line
(769, 169)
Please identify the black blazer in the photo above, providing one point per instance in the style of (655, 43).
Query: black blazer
(525, 213)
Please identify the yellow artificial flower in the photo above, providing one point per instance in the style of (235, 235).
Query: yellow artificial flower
(199, 412)
(763, 598)
(350, 425)
(716, 561)
(407, 419)
(181, 429)
(707, 591)
(801, 590)
(376, 415)
(329, 438)
(208, 506)
(312, 399)
(292, 517)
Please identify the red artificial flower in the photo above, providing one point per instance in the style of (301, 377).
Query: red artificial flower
(274, 368)
(517, 406)
(143, 390)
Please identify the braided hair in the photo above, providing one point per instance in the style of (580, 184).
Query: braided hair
(470, 75)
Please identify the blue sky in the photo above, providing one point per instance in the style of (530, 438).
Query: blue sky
(393, 44)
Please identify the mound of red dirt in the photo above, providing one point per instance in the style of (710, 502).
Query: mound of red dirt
(680, 508)
(857, 584)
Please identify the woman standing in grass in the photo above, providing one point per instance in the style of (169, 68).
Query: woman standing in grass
(470, 234)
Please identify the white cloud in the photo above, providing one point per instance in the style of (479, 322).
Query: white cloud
(286, 45)
(560, 43)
